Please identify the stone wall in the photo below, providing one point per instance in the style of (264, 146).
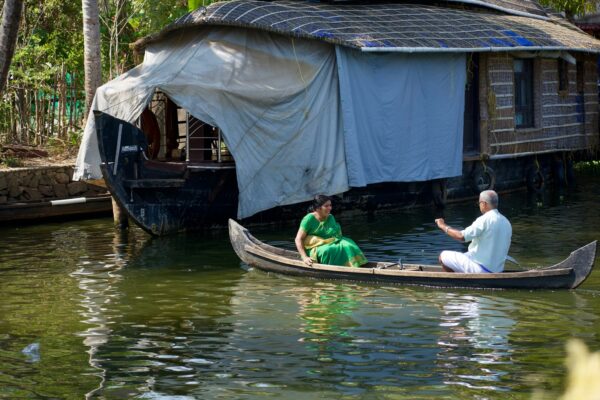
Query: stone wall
(43, 183)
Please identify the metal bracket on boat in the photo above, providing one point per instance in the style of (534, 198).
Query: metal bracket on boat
(118, 149)
(399, 263)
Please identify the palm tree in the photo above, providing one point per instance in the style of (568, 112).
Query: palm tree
(11, 17)
(91, 45)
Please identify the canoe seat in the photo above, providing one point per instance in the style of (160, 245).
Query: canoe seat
(208, 165)
(165, 166)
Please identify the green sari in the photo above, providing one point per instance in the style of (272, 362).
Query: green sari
(326, 245)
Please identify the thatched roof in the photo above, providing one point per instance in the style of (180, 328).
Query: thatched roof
(398, 27)
(517, 7)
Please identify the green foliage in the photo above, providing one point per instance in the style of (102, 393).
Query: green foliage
(571, 7)
(50, 44)
(150, 17)
(11, 161)
(193, 4)
(588, 167)
(67, 147)
(50, 38)
(49, 53)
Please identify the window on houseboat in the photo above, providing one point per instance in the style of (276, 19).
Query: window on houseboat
(523, 93)
(563, 75)
(205, 142)
(580, 75)
(180, 136)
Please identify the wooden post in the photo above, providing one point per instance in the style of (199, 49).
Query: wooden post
(120, 219)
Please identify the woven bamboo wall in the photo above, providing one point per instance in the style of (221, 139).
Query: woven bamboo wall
(592, 107)
(563, 120)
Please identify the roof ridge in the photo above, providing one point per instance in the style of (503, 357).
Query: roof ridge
(390, 26)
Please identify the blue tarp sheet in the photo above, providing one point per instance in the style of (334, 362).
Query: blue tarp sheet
(403, 115)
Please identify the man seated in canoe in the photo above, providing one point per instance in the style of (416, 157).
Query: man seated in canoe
(489, 235)
(320, 239)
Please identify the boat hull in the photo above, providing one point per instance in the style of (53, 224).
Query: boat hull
(568, 274)
(33, 212)
(169, 197)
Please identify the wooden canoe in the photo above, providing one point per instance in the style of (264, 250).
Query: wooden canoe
(568, 274)
(55, 209)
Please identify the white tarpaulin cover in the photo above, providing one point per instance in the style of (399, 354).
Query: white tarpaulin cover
(277, 102)
(402, 115)
(275, 99)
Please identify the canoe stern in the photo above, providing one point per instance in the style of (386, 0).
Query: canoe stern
(239, 239)
(582, 261)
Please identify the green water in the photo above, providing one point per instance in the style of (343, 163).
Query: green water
(129, 316)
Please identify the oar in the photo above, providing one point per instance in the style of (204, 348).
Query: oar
(512, 260)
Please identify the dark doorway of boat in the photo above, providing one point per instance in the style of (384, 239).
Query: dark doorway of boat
(172, 172)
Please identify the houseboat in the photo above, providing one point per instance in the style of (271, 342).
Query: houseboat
(249, 108)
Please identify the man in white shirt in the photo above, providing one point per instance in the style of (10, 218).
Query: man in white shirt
(489, 235)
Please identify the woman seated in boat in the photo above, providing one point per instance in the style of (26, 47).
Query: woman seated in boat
(320, 239)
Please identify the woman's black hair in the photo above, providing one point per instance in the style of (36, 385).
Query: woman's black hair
(318, 201)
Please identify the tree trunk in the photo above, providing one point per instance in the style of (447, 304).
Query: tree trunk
(91, 44)
(11, 17)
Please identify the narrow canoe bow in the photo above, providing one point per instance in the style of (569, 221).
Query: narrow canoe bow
(567, 274)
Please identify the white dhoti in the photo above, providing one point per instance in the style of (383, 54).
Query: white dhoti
(461, 262)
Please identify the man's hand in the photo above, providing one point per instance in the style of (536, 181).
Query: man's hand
(440, 223)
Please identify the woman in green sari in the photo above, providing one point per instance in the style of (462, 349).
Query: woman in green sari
(320, 239)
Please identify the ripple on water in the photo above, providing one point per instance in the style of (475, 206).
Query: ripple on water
(128, 316)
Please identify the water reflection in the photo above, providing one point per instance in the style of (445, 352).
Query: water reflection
(475, 341)
(97, 282)
(154, 305)
(324, 310)
(349, 338)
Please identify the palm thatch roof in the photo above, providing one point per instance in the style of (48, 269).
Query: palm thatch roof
(529, 8)
(397, 27)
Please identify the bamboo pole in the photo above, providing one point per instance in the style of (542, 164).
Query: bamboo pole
(37, 116)
(75, 108)
(120, 220)
(22, 126)
(59, 84)
(30, 130)
(63, 95)
(59, 105)
(13, 124)
(44, 115)
(53, 108)
(72, 104)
